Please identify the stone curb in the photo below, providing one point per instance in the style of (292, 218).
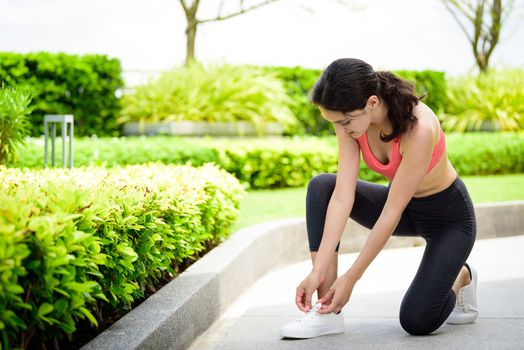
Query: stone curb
(183, 309)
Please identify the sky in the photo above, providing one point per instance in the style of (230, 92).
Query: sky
(148, 36)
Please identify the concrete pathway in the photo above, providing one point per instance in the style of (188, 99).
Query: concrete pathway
(371, 315)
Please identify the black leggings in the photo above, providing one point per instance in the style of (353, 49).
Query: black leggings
(446, 220)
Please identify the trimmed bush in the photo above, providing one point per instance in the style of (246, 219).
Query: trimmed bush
(298, 82)
(14, 124)
(218, 93)
(75, 244)
(85, 86)
(280, 162)
(428, 82)
(486, 153)
(494, 99)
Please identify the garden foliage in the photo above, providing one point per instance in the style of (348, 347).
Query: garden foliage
(85, 86)
(225, 93)
(75, 244)
(493, 99)
(14, 124)
(280, 162)
(218, 93)
(430, 83)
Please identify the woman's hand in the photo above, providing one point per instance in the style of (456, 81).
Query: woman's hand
(306, 289)
(337, 296)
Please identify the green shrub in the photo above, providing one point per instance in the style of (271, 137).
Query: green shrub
(298, 82)
(430, 83)
(494, 99)
(219, 93)
(276, 163)
(486, 153)
(14, 126)
(75, 244)
(85, 86)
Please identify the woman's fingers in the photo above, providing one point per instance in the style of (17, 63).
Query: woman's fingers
(327, 302)
(326, 298)
(327, 309)
(308, 301)
(299, 299)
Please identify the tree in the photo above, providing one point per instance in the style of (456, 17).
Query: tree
(486, 18)
(190, 11)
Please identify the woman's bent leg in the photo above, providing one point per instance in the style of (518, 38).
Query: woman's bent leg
(430, 299)
(369, 201)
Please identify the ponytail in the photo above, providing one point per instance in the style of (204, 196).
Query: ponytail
(398, 94)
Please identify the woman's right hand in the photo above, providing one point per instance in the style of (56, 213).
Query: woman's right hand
(305, 291)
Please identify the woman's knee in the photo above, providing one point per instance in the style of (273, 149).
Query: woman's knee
(321, 184)
(418, 320)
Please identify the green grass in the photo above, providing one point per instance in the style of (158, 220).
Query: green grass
(265, 205)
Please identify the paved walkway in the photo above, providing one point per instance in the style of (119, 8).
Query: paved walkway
(371, 315)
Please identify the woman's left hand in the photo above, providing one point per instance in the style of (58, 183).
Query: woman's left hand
(337, 296)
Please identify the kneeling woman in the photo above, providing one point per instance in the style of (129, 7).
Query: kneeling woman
(377, 113)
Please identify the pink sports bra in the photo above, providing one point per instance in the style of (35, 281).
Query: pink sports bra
(389, 170)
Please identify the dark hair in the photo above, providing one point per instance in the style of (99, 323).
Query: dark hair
(347, 83)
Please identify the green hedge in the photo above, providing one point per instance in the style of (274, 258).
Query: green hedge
(85, 86)
(214, 93)
(493, 100)
(431, 83)
(486, 153)
(299, 82)
(75, 244)
(277, 163)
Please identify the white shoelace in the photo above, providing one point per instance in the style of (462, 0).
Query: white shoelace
(311, 314)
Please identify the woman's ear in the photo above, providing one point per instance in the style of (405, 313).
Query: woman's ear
(373, 101)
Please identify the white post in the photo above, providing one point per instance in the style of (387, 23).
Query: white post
(67, 123)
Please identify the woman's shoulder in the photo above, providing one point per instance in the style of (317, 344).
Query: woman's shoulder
(426, 118)
(427, 126)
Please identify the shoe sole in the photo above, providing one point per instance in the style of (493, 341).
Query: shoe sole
(458, 320)
(313, 333)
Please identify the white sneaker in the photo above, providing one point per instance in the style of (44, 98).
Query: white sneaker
(466, 310)
(313, 324)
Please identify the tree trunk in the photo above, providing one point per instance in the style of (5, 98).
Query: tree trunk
(191, 31)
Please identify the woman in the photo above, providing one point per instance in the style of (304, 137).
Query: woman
(376, 113)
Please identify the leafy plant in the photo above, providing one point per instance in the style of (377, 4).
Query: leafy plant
(14, 124)
(430, 83)
(219, 93)
(494, 98)
(85, 86)
(298, 82)
(75, 244)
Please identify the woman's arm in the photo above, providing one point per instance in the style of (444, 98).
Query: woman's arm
(412, 169)
(341, 201)
(338, 211)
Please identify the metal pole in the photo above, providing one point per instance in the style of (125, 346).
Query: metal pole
(46, 135)
(71, 139)
(53, 136)
(64, 132)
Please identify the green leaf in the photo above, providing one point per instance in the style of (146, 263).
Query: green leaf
(89, 315)
(44, 309)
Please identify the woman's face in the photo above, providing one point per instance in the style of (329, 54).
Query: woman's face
(354, 123)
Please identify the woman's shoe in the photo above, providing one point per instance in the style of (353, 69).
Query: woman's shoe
(466, 310)
(313, 324)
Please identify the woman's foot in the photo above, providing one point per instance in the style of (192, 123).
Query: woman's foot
(313, 324)
(462, 280)
(466, 310)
